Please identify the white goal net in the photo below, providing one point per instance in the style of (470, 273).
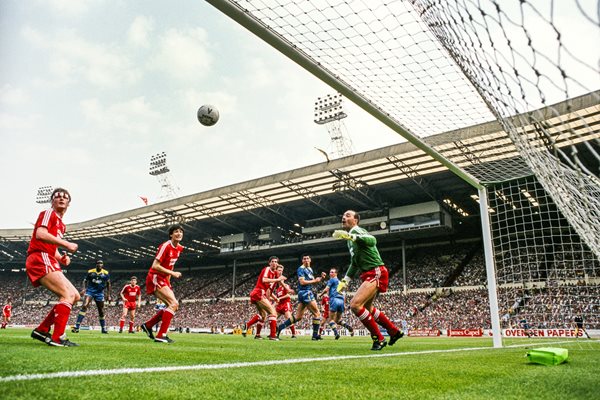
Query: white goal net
(425, 67)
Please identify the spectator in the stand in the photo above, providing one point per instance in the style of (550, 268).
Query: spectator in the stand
(548, 302)
(545, 308)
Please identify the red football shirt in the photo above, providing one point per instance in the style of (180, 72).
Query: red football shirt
(267, 273)
(7, 310)
(131, 292)
(167, 256)
(51, 221)
(280, 292)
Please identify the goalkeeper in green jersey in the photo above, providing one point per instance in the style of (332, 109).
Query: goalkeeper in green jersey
(366, 261)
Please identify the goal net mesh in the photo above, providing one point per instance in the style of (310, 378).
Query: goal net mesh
(439, 66)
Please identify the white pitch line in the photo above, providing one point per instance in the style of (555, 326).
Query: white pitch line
(121, 371)
(572, 341)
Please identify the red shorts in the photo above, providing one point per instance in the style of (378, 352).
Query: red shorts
(130, 305)
(326, 313)
(40, 264)
(284, 307)
(378, 274)
(155, 281)
(6, 315)
(256, 295)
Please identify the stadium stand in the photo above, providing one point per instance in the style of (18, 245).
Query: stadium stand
(445, 290)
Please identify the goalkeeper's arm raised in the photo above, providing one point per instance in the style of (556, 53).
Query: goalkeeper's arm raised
(343, 285)
(343, 235)
(364, 238)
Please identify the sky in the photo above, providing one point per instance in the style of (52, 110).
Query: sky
(91, 89)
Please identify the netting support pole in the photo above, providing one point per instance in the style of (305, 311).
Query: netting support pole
(490, 267)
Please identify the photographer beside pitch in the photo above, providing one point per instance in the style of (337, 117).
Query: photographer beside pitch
(365, 258)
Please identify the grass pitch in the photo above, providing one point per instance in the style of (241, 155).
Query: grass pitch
(231, 367)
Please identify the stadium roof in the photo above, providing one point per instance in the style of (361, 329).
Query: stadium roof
(375, 180)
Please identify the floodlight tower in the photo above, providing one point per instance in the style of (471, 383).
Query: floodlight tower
(330, 112)
(158, 168)
(43, 194)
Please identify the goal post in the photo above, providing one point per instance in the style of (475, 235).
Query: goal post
(490, 269)
(425, 67)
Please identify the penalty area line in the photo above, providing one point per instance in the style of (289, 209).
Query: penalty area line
(122, 371)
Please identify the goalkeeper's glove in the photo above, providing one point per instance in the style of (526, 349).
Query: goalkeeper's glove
(341, 234)
(343, 285)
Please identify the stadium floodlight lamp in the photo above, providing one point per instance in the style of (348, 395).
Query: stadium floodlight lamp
(329, 108)
(158, 164)
(530, 198)
(43, 194)
(456, 207)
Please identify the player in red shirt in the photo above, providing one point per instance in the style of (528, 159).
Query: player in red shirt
(259, 297)
(6, 313)
(281, 294)
(324, 312)
(158, 283)
(131, 294)
(42, 267)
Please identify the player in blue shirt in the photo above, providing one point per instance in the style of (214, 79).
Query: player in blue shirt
(306, 298)
(336, 304)
(96, 282)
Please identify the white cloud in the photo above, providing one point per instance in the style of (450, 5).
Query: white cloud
(34, 36)
(128, 119)
(184, 55)
(261, 75)
(70, 8)
(100, 65)
(139, 30)
(10, 95)
(72, 57)
(11, 123)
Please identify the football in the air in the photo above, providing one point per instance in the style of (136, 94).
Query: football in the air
(208, 115)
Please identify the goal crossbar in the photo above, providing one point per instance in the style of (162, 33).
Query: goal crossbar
(305, 61)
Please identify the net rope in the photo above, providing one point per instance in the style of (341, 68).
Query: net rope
(438, 66)
(446, 66)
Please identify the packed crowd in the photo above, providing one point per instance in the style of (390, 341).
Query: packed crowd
(520, 262)
(208, 297)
